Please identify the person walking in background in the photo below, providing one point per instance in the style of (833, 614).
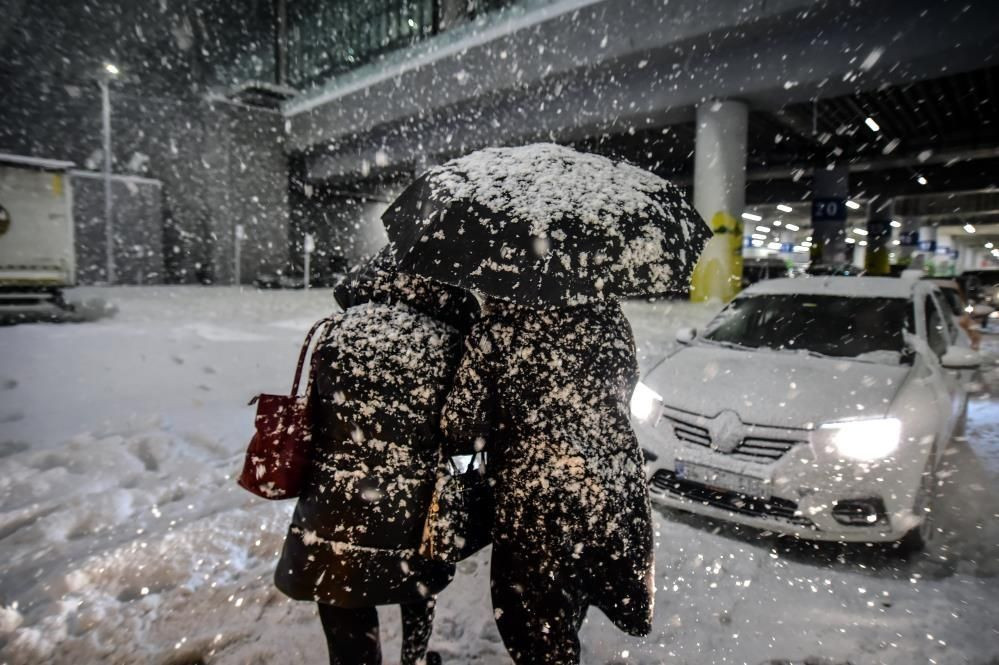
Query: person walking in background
(546, 392)
(382, 372)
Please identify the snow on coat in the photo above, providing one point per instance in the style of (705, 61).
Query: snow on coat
(547, 392)
(381, 375)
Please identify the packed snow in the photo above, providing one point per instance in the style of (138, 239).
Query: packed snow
(567, 227)
(543, 182)
(126, 540)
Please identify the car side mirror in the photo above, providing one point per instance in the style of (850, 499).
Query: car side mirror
(686, 335)
(960, 358)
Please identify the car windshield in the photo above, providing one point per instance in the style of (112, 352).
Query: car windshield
(830, 325)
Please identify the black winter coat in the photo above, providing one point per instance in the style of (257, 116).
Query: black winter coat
(548, 392)
(382, 372)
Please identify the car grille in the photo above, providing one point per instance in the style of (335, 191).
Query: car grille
(761, 449)
(773, 507)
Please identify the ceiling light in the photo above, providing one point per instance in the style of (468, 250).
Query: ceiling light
(111, 69)
(784, 208)
(806, 243)
(809, 238)
(757, 243)
(922, 181)
(777, 222)
(800, 248)
(863, 243)
(763, 229)
(792, 227)
(875, 127)
(758, 236)
(989, 245)
(968, 228)
(860, 232)
(853, 205)
(774, 245)
(896, 242)
(751, 217)
(895, 224)
(850, 241)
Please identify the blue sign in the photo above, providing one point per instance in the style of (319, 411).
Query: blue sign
(828, 210)
(928, 245)
(949, 252)
(787, 247)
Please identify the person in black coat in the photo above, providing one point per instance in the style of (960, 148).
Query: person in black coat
(381, 373)
(546, 393)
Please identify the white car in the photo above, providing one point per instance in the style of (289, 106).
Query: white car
(818, 407)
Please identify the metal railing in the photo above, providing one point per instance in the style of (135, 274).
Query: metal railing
(329, 37)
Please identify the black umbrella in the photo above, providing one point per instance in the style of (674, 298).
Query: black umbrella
(545, 225)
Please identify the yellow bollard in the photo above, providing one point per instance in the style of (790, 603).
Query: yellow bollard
(718, 273)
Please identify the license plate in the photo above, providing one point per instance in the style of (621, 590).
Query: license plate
(721, 479)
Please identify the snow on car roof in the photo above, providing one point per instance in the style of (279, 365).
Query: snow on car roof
(855, 287)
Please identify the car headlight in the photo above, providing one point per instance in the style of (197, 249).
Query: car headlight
(864, 440)
(644, 402)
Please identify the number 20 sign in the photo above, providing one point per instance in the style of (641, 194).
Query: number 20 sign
(828, 210)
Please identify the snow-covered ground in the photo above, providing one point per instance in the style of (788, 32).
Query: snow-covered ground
(125, 540)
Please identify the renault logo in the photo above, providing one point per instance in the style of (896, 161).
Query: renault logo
(726, 431)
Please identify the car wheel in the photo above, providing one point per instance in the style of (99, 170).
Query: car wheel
(922, 535)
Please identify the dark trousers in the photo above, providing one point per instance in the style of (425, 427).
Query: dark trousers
(352, 633)
(538, 605)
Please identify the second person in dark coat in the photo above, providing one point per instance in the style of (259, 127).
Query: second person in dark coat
(546, 392)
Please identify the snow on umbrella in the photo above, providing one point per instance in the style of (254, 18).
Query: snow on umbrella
(545, 225)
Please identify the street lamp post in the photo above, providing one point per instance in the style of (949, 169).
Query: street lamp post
(110, 70)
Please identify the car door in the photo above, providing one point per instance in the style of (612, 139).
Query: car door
(948, 384)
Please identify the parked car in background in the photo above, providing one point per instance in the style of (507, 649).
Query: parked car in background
(960, 309)
(834, 269)
(981, 289)
(764, 267)
(814, 407)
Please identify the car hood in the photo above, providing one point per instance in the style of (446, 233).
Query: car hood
(782, 389)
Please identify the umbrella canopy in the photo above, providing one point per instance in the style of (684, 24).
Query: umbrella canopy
(545, 225)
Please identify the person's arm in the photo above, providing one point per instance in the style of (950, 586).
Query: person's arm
(467, 417)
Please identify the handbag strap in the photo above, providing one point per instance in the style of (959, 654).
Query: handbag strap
(305, 350)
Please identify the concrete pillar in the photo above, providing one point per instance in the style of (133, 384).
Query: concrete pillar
(830, 190)
(876, 260)
(943, 261)
(908, 245)
(719, 196)
(787, 245)
(859, 255)
(927, 246)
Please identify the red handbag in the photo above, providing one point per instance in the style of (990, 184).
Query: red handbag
(278, 455)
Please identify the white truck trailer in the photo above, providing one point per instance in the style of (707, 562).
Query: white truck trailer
(37, 251)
